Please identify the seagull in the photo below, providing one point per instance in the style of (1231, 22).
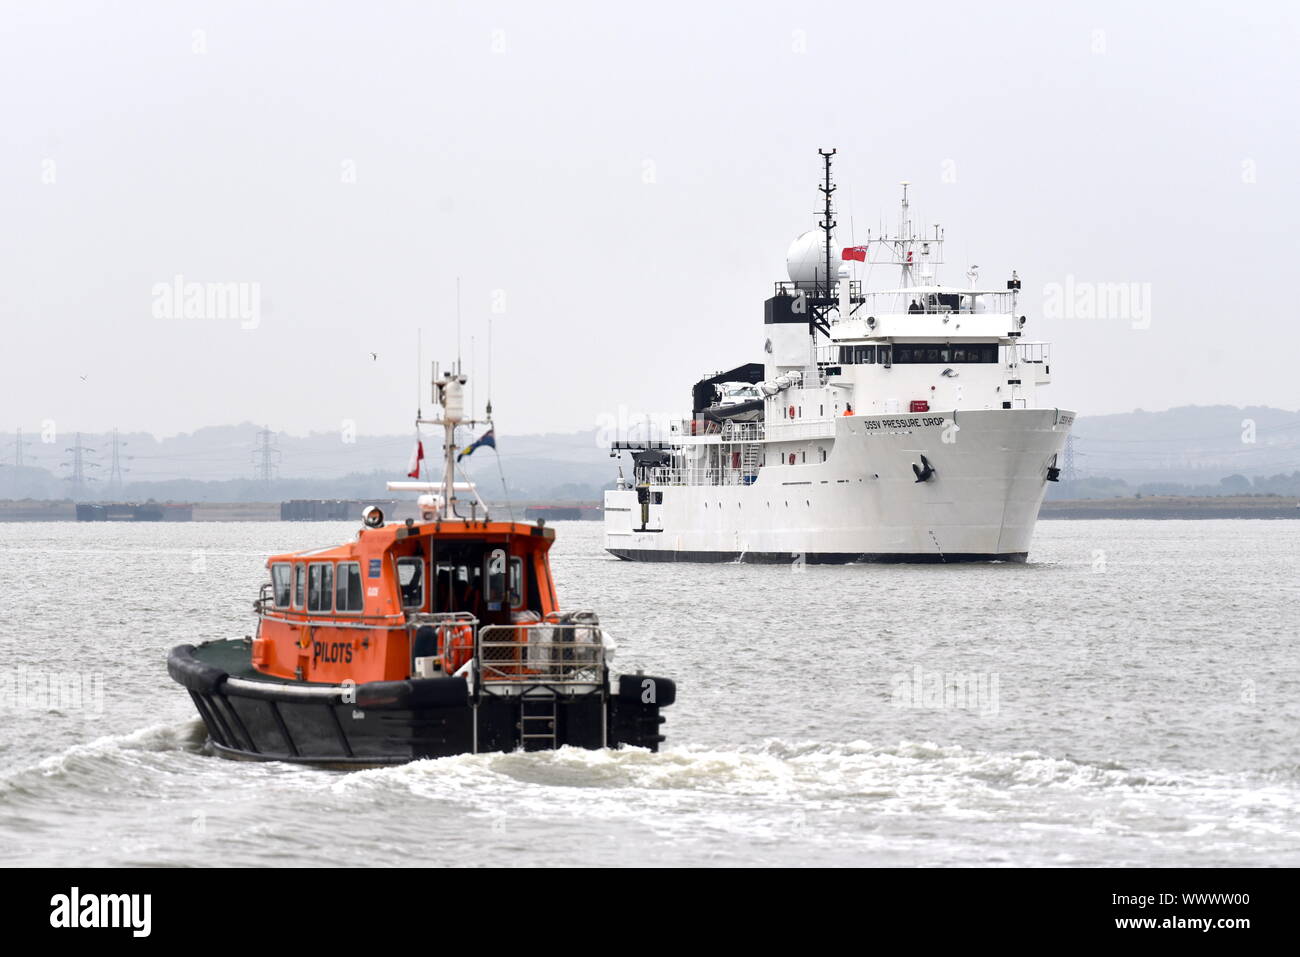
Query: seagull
(374, 356)
(83, 378)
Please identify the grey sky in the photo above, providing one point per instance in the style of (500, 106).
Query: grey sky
(510, 144)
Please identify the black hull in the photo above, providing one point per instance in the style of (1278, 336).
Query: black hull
(393, 722)
(811, 558)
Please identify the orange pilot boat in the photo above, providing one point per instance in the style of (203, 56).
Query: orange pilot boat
(419, 640)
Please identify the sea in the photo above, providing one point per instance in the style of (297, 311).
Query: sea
(1128, 697)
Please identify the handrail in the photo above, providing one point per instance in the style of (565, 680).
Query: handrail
(548, 653)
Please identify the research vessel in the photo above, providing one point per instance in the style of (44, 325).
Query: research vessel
(899, 424)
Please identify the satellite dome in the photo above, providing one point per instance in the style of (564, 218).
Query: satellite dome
(805, 261)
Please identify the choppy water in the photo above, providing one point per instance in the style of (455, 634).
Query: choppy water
(1138, 703)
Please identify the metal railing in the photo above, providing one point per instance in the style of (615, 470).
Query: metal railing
(544, 652)
(697, 476)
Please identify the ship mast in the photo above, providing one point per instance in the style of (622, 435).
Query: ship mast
(449, 395)
(823, 299)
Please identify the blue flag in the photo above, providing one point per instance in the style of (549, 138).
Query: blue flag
(487, 439)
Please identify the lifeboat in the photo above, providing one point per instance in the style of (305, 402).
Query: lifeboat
(419, 639)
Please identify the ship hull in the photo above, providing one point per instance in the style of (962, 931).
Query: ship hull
(864, 502)
(394, 722)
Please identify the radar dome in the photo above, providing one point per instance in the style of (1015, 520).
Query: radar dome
(805, 261)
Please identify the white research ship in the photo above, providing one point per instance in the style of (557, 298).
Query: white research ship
(900, 425)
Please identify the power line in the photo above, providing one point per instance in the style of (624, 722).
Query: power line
(80, 462)
(266, 456)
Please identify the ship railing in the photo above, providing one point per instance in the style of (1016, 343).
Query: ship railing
(265, 600)
(551, 653)
(699, 476)
(742, 431)
(1034, 352)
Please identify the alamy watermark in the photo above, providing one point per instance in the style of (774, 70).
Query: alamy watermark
(180, 299)
(946, 690)
(24, 689)
(1075, 299)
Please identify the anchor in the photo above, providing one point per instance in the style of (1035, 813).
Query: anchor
(925, 471)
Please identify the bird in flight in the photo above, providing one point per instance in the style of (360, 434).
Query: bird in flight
(83, 378)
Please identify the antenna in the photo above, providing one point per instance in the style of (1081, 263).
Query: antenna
(458, 325)
(828, 214)
(822, 302)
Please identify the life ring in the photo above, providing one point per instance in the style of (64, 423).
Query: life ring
(792, 458)
(457, 643)
(792, 412)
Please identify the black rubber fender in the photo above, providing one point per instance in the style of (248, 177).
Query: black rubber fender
(412, 694)
(647, 689)
(193, 674)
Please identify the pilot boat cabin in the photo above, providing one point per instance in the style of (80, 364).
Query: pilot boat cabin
(388, 605)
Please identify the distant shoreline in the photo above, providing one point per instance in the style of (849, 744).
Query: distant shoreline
(1147, 507)
(1174, 507)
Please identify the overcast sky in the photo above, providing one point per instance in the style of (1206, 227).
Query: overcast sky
(621, 182)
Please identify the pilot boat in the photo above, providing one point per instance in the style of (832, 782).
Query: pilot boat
(419, 639)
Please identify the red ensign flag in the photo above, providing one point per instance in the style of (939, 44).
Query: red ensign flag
(417, 457)
(855, 252)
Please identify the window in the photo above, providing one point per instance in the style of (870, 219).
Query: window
(320, 586)
(348, 595)
(496, 578)
(299, 585)
(858, 355)
(516, 582)
(410, 579)
(281, 584)
(934, 353)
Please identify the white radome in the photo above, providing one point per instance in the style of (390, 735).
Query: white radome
(805, 260)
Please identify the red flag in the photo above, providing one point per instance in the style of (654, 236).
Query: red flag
(855, 252)
(417, 456)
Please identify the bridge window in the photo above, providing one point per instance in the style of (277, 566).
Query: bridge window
(281, 584)
(320, 586)
(299, 585)
(858, 355)
(935, 353)
(348, 595)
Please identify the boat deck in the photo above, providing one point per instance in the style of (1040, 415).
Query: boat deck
(233, 656)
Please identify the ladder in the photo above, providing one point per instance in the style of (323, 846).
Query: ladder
(749, 460)
(537, 712)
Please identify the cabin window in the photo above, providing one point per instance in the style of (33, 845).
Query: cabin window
(299, 585)
(348, 595)
(281, 584)
(320, 586)
(496, 578)
(410, 579)
(516, 582)
(885, 356)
